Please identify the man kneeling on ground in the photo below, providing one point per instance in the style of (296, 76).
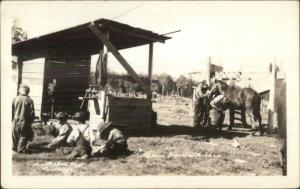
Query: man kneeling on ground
(112, 140)
(107, 140)
(60, 131)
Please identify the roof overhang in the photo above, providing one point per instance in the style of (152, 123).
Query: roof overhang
(81, 40)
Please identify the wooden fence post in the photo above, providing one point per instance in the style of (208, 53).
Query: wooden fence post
(209, 71)
(272, 114)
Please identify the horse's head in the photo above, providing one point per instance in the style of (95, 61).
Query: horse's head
(218, 86)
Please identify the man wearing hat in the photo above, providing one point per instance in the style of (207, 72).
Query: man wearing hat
(112, 139)
(201, 104)
(22, 118)
(61, 130)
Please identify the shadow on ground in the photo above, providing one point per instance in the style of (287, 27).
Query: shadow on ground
(172, 130)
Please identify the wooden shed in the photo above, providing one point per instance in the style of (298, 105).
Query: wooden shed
(66, 57)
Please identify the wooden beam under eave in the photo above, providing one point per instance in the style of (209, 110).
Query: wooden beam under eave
(134, 34)
(111, 48)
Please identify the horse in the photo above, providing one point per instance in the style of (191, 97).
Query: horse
(245, 99)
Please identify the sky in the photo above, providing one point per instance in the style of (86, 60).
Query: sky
(241, 36)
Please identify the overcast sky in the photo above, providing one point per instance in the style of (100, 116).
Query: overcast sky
(244, 36)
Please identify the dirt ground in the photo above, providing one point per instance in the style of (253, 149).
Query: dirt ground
(172, 148)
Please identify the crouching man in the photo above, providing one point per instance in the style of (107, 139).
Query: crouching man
(112, 140)
(219, 104)
(106, 140)
(60, 131)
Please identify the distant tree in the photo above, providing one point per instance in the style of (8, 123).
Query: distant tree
(166, 82)
(182, 85)
(17, 33)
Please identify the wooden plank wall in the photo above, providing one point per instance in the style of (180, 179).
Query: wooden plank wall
(72, 76)
(33, 76)
(134, 113)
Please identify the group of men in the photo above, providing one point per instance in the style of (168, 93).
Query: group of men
(208, 102)
(106, 139)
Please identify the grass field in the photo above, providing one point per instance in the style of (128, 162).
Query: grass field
(172, 148)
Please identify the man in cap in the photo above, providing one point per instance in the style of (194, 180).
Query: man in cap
(60, 131)
(201, 104)
(22, 118)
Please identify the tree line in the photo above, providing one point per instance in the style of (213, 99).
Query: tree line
(162, 84)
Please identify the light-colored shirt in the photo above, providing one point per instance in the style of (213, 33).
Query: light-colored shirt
(218, 103)
(64, 131)
(115, 135)
(77, 130)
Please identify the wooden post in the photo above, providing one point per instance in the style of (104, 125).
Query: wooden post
(150, 66)
(119, 57)
(208, 71)
(272, 114)
(20, 72)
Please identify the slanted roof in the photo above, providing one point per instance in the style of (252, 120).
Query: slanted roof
(82, 40)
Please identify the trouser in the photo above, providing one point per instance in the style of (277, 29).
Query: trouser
(82, 148)
(201, 113)
(22, 133)
(118, 147)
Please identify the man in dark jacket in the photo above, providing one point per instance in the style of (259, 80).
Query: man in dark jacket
(22, 118)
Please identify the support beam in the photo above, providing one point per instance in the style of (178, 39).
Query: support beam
(111, 48)
(150, 66)
(20, 72)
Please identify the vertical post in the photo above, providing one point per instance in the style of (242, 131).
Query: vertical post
(150, 65)
(104, 66)
(209, 71)
(104, 61)
(272, 123)
(20, 72)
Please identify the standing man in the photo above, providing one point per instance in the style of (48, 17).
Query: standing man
(201, 105)
(22, 118)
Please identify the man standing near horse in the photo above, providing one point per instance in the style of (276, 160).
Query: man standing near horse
(22, 118)
(201, 105)
(245, 99)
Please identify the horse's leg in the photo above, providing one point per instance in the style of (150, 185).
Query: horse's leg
(251, 116)
(231, 115)
(243, 117)
(257, 117)
(221, 120)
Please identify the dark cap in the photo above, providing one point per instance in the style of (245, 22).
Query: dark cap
(25, 89)
(62, 116)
